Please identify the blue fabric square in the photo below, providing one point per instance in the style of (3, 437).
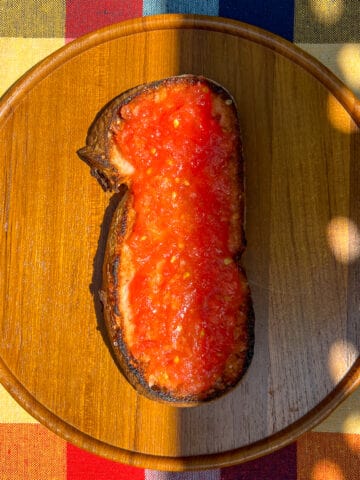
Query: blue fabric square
(277, 17)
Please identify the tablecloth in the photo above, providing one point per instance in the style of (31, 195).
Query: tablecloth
(327, 29)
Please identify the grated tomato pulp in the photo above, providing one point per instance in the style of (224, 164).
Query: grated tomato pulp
(187, 289)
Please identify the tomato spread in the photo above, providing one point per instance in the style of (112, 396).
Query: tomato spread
(185, 294)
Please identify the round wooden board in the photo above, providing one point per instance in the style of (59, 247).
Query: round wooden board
(302, 151)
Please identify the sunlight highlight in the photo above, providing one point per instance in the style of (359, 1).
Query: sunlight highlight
(327, 470)
(339, 117)
(348, 59)
(352, 423)
(342, 355)
(344, 239)
(328, 12)
(351, 429)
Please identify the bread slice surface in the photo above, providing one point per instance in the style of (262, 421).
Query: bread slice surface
(177, 304)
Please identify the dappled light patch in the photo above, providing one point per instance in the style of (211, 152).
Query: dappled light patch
(339, 118)
(344, 239)
(352, 428)
(326, 469)
(327, 12)
(348, 60)
(342, 354)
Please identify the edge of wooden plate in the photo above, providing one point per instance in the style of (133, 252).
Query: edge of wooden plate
(352, 105)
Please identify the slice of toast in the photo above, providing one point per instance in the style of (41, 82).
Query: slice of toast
(177, 304)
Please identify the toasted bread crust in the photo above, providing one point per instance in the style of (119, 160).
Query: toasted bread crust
(111, 172)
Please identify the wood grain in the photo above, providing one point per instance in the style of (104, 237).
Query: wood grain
(301, 144)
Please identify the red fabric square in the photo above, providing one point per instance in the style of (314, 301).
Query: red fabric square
(83, 16)
(281, 465)
(82, 465)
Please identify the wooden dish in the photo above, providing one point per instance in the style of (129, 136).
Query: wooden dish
(302, 149)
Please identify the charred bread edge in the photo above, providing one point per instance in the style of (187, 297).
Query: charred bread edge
(96, 154)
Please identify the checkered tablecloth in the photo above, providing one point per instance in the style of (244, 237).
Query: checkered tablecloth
(32, 29)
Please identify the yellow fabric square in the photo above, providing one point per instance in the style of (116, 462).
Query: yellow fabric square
(17, 55)
(32, 18)
(10, 410)
(346, 417)
(342, 59)
(326, 21)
